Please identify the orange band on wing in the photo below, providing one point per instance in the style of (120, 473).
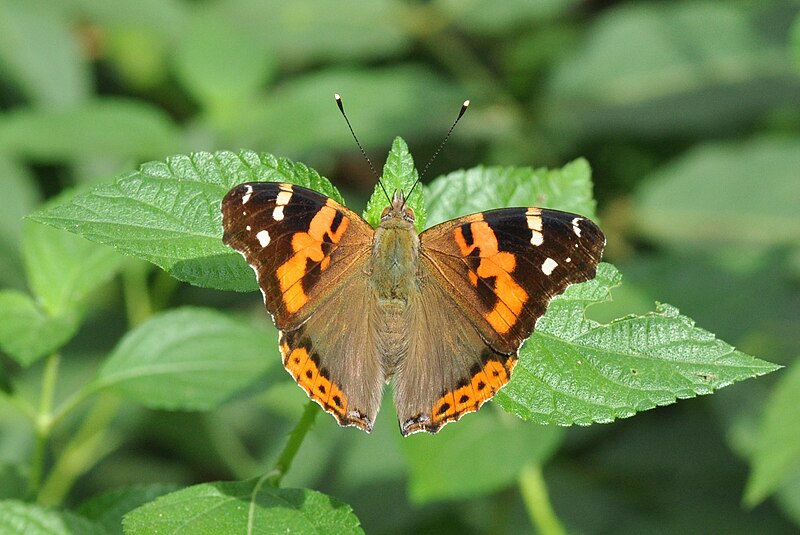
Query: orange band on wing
(306, 372)
(308, 246)
(483, 385)
(511, 297)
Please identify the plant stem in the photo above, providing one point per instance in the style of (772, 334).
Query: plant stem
(74, 400)
(93, 440)
(44, 422)
(537, 502)
(91, 443)
(293, 443)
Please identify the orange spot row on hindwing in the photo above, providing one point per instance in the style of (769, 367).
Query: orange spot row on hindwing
(481, 387)
(306, 372)
(511, 297)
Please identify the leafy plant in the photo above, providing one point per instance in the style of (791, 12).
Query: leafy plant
(573, 370)
(134, 384)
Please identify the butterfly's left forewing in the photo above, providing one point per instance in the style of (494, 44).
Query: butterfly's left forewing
(309, 253)
(492, 274)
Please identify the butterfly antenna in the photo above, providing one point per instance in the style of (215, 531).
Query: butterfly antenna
(363, 153)
(464, 107)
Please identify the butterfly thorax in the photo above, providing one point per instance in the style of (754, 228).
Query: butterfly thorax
(393, 276)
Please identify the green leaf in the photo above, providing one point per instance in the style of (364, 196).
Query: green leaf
(168, 213)
(242, 507)
(461, 461)
(777, 451)
(101, 127)
(399, 174)
(107, 510)
(187, 358)
(726, 195)
(695, 66)
(27, 332)
(39, 50)
(30, 519)
(573, 370)
(220, 65)
(482, 188)
(63, 269)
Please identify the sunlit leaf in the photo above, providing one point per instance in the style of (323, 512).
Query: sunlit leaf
(482, 188)
(576, 371)
(107, 509)
(242, 507)
(399, 174)
(169, 213)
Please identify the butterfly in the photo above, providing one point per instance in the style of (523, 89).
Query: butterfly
(443, 312)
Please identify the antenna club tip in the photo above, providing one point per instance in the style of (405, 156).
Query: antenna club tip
(466, 103)
(337, 97)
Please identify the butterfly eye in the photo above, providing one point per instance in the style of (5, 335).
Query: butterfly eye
(408, 213)
(385, 212)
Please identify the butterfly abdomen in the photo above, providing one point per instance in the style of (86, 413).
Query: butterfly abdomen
(394, 280)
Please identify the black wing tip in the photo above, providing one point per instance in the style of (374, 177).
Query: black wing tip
(354, 419)
(419, 423)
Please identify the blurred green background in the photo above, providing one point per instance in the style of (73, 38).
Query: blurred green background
(688, 112)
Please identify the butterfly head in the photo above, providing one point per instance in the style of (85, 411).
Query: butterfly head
(398, 209)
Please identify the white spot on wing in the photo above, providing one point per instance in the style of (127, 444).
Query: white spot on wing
(263, 238)
(575, 228)
(534, 219)
(548, 266)
(283, 197)
(568, 260)
(277, 213)
(248, 192)
(248, 228)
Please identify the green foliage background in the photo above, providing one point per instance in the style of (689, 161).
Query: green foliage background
(687, 112)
